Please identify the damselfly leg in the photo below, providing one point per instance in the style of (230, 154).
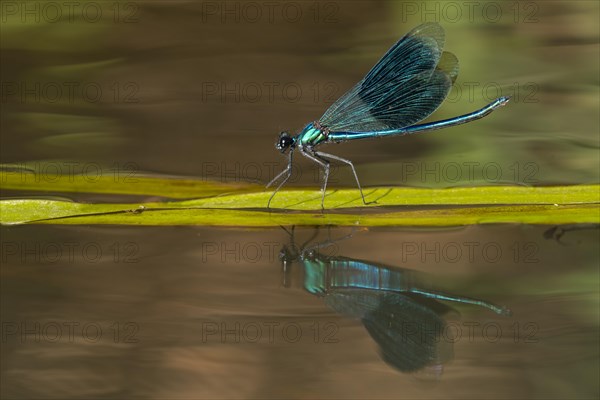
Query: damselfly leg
(288, 170)
(312, 155)
(333, 157)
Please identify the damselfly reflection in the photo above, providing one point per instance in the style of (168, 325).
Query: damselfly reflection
(399, 309)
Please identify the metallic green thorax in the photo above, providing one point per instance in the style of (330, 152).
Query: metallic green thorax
(315, 276)
(311, 136)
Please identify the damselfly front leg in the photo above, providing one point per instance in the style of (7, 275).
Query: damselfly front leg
(288, 170)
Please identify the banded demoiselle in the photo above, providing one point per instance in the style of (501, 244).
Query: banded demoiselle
(407, 85)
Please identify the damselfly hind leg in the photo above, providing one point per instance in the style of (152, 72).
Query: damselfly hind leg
(333, 157)
(288, 170)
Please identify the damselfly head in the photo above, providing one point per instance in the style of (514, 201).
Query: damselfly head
(285, 255)
(284, 142)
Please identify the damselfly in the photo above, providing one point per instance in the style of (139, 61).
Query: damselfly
(408, 84)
